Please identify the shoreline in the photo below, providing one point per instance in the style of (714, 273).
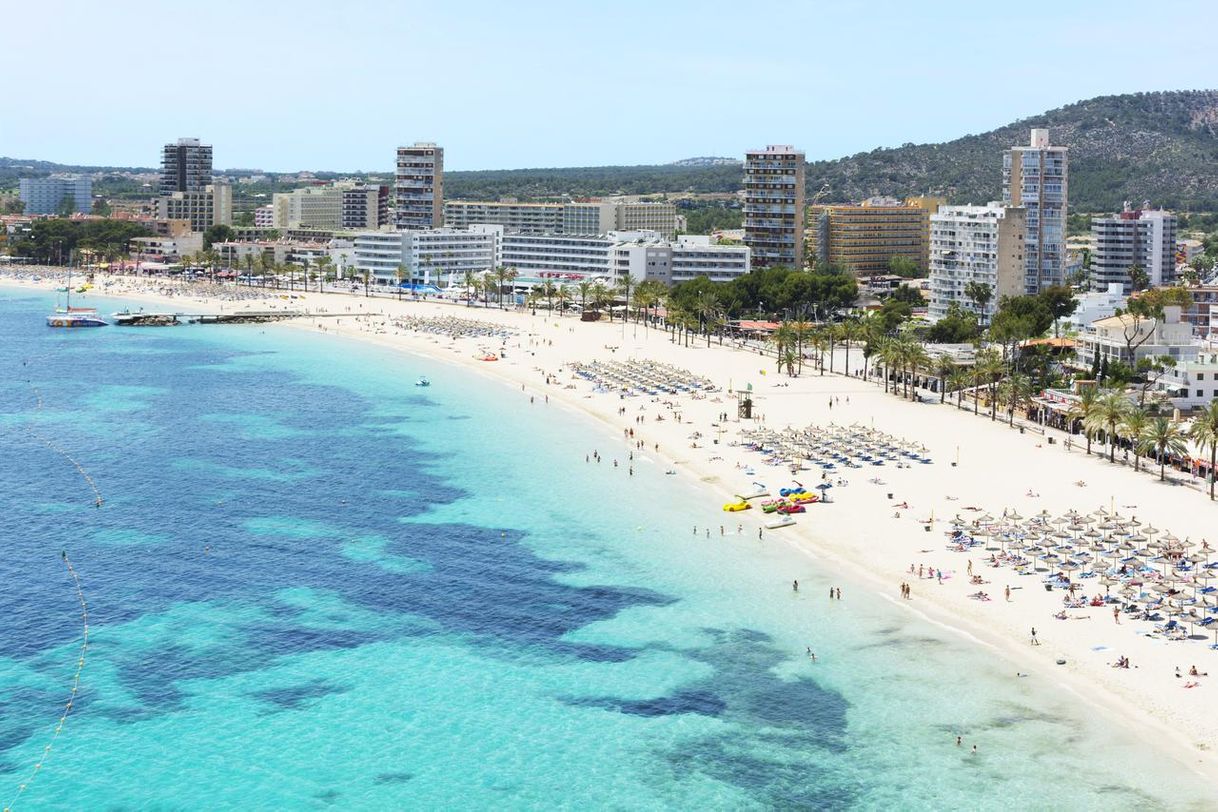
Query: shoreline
(858, 537)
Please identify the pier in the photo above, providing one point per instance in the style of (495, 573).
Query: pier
(146, 319)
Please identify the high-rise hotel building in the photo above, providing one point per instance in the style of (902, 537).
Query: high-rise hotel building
(185, 166)
(774, 206)
(1035, 178)
(419, 192)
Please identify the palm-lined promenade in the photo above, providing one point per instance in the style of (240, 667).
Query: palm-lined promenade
(881, 521)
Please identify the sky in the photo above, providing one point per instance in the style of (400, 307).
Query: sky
(285, 86)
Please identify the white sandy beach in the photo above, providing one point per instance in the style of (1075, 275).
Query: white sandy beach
(858, 534)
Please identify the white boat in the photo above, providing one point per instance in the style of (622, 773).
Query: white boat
(422, 381)
(68, 316)
(785, 521)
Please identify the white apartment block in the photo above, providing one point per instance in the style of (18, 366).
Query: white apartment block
(1110, 339)
(695, 255)
(419, 186)
(166, 249)
(587, 217)
(1191, 384)
(1143, 238)
(1095, 305)
(558, 255)
(427, 256)
(210, 206)
(975, 244)
(379, 253)
(444, 255)
(516, 218)
(640, 254)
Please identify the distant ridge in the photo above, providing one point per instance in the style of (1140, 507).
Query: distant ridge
(1161, 147)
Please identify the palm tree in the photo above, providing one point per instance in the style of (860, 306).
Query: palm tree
(850, 332)
(1204, 432)
(1081, 412)
(881, 349)
(916, 360)
(1133, 426)
(367, 280)
(944, 368)
(324, 263)
(487, 285)
(399, 274)
(471, 286)
(585, 288)
(600, 296)
(818, 342)
(990, 366)
(787, 358)
(564, 298)
(548, 289)
(782, 339)
(532, 298)
(1164, 437)
(706, 308)
(503, 275)
(1015, 390)
(625, 286)
(1108, 413)
(959, 381)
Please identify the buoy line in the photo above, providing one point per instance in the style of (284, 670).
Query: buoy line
(67, 709)
(98, 501)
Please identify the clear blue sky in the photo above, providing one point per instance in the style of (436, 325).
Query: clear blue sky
(337, 85)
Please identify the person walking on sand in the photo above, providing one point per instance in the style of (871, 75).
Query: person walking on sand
(1035, 642)
(1007, 592)
(1116, 614)
(795, 585)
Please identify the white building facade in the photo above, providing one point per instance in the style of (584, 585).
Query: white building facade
(1143, 238)
(975, 244)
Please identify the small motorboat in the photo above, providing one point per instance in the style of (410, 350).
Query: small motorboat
(422, 381)
(785, 521)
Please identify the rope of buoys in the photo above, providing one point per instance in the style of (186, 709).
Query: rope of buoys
(67, 709)
(98, 501)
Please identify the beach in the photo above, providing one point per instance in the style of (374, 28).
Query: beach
(871, 538)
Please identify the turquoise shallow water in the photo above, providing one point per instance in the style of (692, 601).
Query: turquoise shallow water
(428, 599)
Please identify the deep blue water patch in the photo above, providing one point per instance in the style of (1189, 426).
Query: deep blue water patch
(189, 487)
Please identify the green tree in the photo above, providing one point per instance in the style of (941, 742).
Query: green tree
(956, 327)
(1107, 414)
(1133, 425)
(944, 369)
(1138, 278)
(1081, 412)
(905, 267)
(979, 293)
(1164, 437)
(1060, 302)
(1015, 391)
(217, 233)
(990, 367)
(959, 381)
(1204, 432)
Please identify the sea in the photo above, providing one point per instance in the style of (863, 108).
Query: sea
(312, 584)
